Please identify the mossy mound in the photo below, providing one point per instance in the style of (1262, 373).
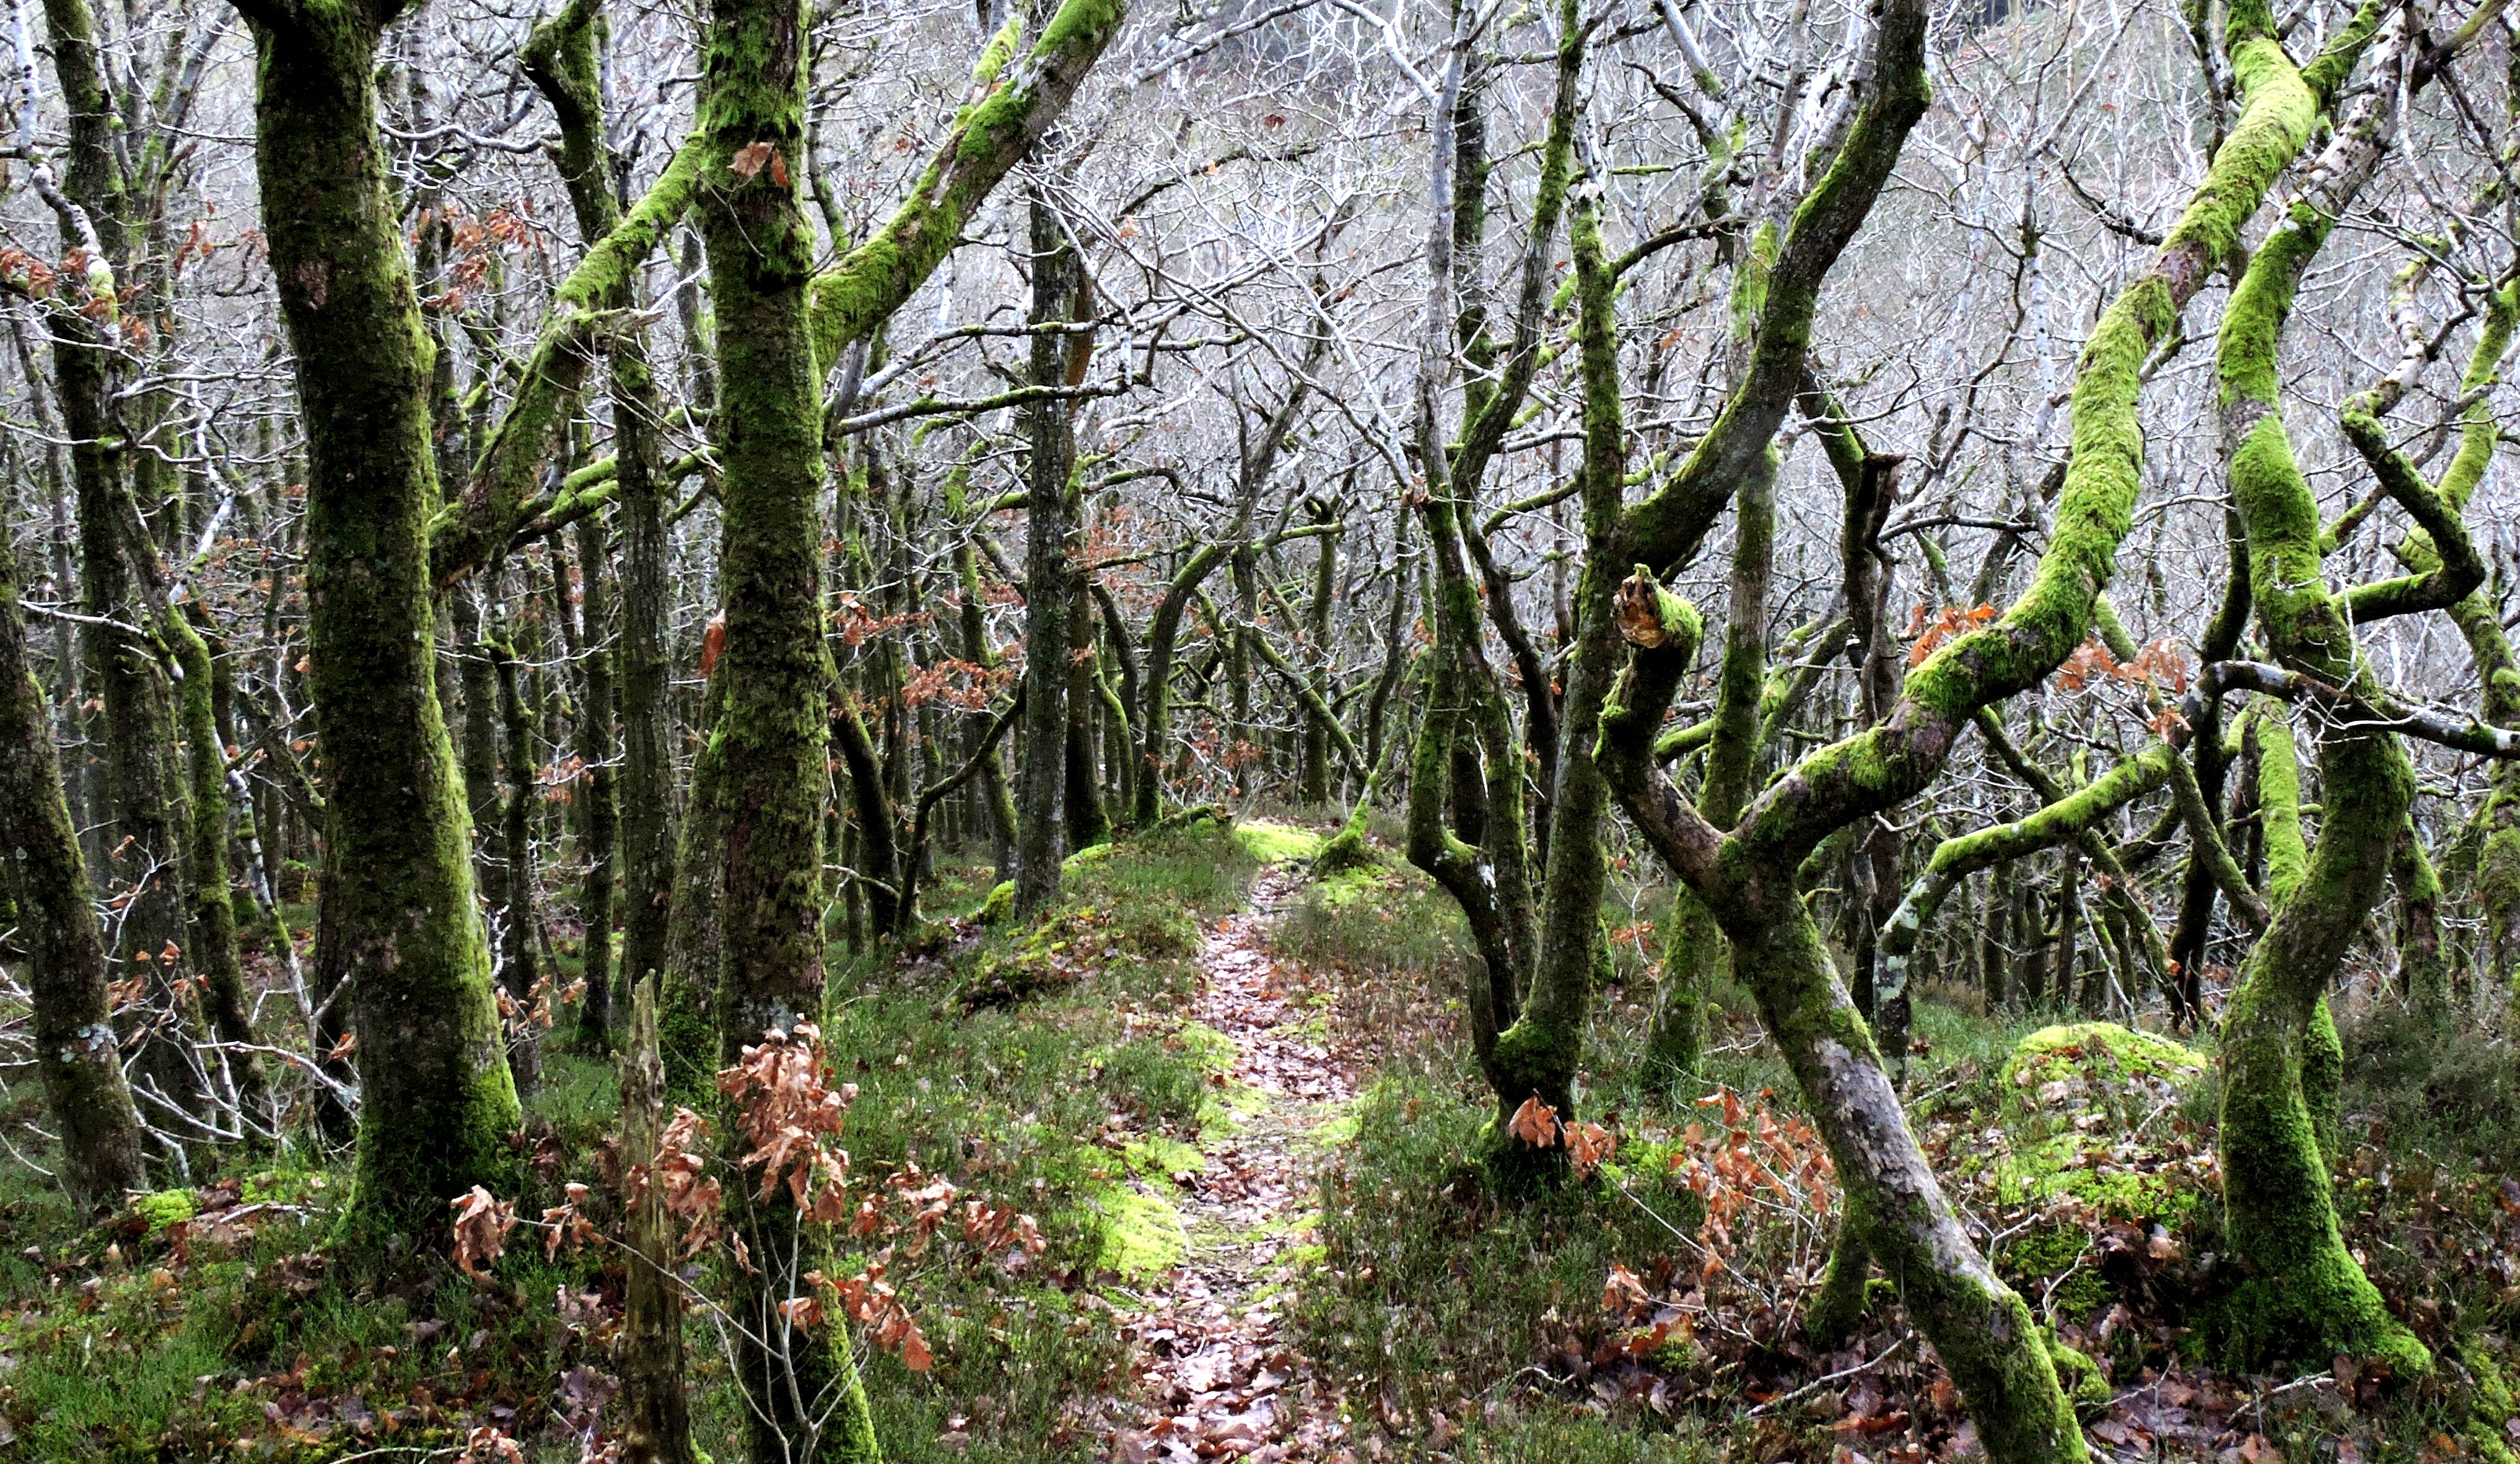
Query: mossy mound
(1156, 1157)
(2091, 1115)
(164, 1209)
(1356, 884)
(999, 904)
(1276, 843)
(2081, 1063)
(2090, 1109)
(1073, 942)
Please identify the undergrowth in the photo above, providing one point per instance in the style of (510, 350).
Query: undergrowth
(230, 1337)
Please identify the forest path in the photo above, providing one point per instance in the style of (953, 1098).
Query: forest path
(1216, 1374)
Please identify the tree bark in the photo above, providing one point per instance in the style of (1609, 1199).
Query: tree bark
(437, 1103)
(1043, 769)
(74, 1045)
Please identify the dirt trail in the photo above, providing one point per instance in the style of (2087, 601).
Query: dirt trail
(1218, 1377)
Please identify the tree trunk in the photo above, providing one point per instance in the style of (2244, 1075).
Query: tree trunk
(657, 1425)
(1043, 774)
(603, 813)
(1087, 825)
(209, 888)
(520, 919)
(436, 1100)
(138, 723)
(775, 722)
(73, 1041)
(563, 60)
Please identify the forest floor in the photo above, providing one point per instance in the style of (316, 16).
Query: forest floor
(1238, 1099)
(1216, 1370)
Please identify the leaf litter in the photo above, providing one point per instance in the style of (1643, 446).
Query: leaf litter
(1215, 1370)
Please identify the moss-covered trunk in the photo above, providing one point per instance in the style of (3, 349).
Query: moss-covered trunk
(2308, 1297)
(806, 1402)
(142, 795)
(1314, 786)
(658, 1427)
(695, 928)
(1539, 1055)
(75, 1046)
(1041, 777)
(1081, 793)
(996, 797)
(437, 1101)
(595, 749)
(521, 913)
(1695, 950)
(210, 890)
(562, 56)
(1984, 1333)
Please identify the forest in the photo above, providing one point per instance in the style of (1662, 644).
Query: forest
(1497, 732)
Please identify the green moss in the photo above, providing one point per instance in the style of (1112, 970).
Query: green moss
(1276, 843)
(1156, 1157)
(2272, 129)
(1355, 885)
(2085, 1386)
(2490, 1402)
(2073, 1099)
(2094, 1056)
(164, 1208)
(1212, 1050)
(1138, 1235)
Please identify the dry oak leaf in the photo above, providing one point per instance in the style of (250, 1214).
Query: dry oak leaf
(1623, 1290)
(1535, 1122)
(481, 1225)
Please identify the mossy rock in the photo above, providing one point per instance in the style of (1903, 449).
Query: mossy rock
(999, 904)
(2064, 1070)
(2085, 1105)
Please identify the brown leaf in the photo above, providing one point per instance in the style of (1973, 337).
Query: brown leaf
(481, 1225)
(1623, 1290)
(712, 642)
(1535, 1122)
(751, 158)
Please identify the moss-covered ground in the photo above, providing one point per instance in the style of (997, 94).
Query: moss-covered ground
(1649, 1312)
(2083, 1152)
(208, 1323)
